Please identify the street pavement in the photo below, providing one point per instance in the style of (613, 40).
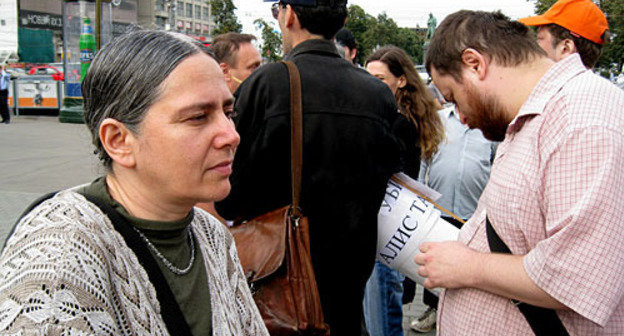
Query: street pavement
(38, 155)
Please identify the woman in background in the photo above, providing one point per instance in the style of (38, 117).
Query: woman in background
(383, 300)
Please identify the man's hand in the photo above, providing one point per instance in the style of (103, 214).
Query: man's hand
(454, 265)
(447, 264)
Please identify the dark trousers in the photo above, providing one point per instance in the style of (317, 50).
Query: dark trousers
(429, 298)
(409, 290)
(4, 105)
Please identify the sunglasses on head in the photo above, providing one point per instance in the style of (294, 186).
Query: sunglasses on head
(275, 8)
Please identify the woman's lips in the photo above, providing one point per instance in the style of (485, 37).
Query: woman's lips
(224, 168)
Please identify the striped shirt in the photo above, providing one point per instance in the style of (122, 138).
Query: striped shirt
(555, 196)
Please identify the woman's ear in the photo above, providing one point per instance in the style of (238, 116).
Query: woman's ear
(118, 142)
(402, 81)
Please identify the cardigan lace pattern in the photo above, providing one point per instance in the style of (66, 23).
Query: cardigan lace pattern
(66, 271)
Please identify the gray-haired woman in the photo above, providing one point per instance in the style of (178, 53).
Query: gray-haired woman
(129, 254)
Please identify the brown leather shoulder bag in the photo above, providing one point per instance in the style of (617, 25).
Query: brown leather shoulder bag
(274, 250)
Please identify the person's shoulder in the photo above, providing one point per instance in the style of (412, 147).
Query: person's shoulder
(60, 207)
(584, 103)
(593, 100)
(64, 224)
(67, 212)
(365, 79)
(373, 96)
(363, 76)
(594, 84)
(268, 72)
(366, 86)
(266, 80)
(373, 88)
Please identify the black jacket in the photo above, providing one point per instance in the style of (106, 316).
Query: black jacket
(348, 156)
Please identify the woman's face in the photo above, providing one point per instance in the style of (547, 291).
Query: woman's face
(185, 145)
(380, 70)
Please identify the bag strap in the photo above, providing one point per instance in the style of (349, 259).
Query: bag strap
(169, 308)
(296, 135)
(543, 321)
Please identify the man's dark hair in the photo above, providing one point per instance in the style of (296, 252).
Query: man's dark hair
(325, 19)
(346, 38)
(225, 46)
(490, 33)
(588, 50)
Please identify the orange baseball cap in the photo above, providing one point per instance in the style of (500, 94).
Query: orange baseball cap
(582, 17)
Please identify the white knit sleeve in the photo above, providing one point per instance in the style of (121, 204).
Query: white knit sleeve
(234, 310)
(51, 278)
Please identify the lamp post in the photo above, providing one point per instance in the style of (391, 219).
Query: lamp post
(171, 11)
(209, 19)
(87, 25)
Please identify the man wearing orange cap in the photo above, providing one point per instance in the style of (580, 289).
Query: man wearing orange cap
(571, 26)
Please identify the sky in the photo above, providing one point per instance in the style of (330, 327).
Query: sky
(406, 13)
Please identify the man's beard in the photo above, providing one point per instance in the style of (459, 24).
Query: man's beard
(487, 114)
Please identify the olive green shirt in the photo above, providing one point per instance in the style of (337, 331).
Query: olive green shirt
(171, 240)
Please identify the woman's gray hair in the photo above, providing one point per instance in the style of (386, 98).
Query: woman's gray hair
(126, 76)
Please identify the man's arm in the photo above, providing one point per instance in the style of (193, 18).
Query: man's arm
(454, 265)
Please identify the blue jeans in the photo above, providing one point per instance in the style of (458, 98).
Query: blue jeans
(383, 309)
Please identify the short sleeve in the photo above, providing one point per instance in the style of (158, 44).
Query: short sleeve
(581, 263)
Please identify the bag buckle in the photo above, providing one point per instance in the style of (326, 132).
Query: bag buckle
(252, 288)
(295, 216)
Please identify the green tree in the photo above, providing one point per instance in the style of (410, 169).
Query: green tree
(542, 6)
(613, 52)
(224, 18)
(272, 43)
(358, 22)
(412, 43)
(371, 33)
(383, 32)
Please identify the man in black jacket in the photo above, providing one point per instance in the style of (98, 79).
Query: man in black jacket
(349, 153)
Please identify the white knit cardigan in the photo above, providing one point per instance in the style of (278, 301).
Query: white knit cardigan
(66, 271)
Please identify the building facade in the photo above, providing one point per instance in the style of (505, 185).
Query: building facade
(8, 31)
(40, 27)
(190, 17)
